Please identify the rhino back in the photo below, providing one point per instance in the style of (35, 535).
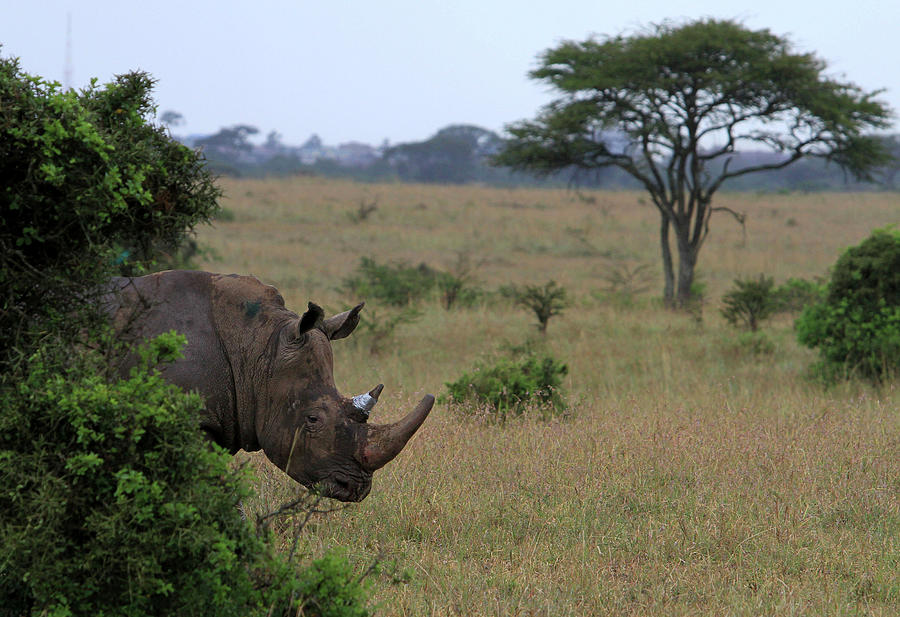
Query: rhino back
(182, 301)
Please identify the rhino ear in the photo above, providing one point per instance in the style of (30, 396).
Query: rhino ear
(343, 324)
(311, 318)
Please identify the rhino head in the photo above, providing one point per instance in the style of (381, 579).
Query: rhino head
(308, 429)
(266, 375)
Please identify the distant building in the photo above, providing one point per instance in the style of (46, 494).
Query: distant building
(356, 154)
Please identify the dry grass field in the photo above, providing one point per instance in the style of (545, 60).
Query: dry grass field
(691, 477)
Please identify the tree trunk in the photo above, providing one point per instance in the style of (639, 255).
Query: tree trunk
(677, 292)
(687, 260)
(668, 268)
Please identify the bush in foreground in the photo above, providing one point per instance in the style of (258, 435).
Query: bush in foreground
(91, 188)
(112, 503)
(856, 328)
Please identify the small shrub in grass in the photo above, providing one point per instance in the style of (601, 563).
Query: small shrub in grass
(796, 294)
(511, 386)
(546, 301)
(457, 291)
(752, 302)
(377, 328)
(755, 343)
(456, 285)
(856, 327)
(624, 282)
(396, 284)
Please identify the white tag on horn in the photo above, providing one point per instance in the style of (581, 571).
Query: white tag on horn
(364, 402)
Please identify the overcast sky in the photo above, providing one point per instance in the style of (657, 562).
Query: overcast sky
(391, 69)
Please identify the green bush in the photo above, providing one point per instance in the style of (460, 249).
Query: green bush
(856, 328)
(510, 387)
(90, 188)
(457, 290)
(796, 294)
(377, 328)
(749, 304)
(545, 301)
(399, 284)
(328, 588)
(395, 284)
(755, 343)
(111, 503)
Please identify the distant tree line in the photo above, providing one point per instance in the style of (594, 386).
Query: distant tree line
(460, 154)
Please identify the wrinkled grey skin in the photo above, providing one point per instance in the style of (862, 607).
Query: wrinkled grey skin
(266, 375)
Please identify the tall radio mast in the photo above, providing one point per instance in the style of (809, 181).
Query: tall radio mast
(67, 70)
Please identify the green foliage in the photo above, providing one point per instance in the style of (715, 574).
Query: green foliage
(856, 327)
(328, 587)
(400, 285)
(456, 290)
(111, 503)
(396, 284)
(796, 294)
(545, 301)
(624, 282)
(363, 211)
(755, 343)
(751, 302)
(511, 386)
(90, 188)
(377, 328)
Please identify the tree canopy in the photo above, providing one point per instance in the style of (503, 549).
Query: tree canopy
(454, 154)
(672, 105)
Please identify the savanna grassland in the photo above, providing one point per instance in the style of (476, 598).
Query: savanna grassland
(692, 476)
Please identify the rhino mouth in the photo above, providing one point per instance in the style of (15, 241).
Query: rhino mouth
(344, 488)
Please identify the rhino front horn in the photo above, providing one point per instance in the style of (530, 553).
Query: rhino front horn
(384, 441)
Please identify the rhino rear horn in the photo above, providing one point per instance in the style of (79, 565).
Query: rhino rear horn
(384, 441)
(342, 324)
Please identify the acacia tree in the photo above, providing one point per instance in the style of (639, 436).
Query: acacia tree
(671, 105)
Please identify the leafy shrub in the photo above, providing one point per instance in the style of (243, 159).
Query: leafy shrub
(395, 284)
(856, 327)
(112, 504)
(457, 290)
(90, 188)
(363, 211)
(509, 386)
(755, 343)
(328, 588)
(624, 282)
(796, 294)
(456, 285)
(749, 304)
(377, 328)
(545, 301)
(399, 284)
